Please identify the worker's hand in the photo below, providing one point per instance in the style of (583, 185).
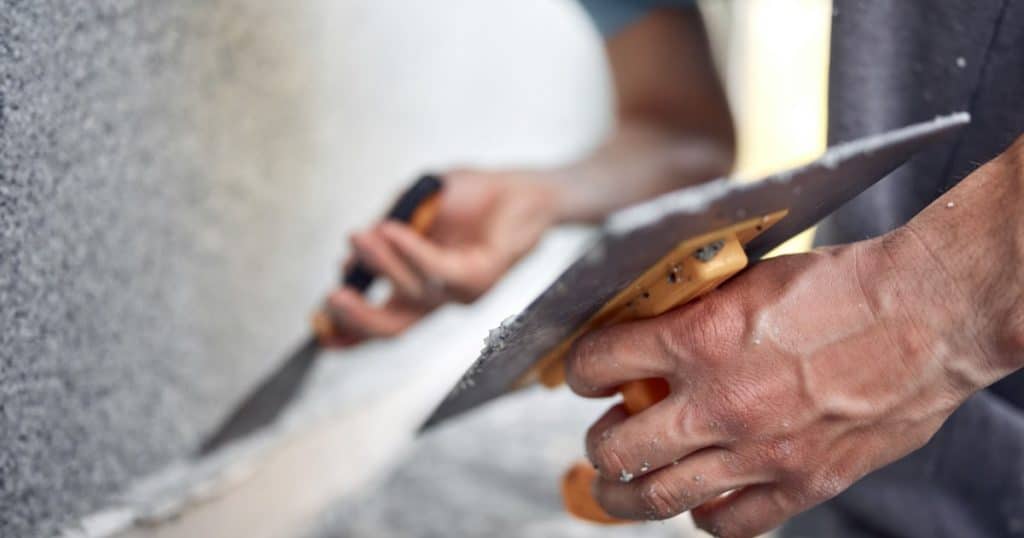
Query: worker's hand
(788, 384)
(487, 221)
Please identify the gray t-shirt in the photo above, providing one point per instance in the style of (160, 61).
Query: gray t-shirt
(897, 62)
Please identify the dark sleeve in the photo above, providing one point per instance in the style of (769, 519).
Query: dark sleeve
(610, 16)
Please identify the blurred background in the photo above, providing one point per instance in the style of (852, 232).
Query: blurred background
(176, 183)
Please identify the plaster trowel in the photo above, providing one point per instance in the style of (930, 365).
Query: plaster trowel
(417, 206)
(661, 254)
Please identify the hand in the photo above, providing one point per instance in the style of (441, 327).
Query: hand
(788, 384)
(486, 222)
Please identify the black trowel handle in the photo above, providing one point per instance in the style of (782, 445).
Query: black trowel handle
(417, 207)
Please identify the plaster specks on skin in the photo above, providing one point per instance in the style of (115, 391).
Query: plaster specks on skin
(625, 476)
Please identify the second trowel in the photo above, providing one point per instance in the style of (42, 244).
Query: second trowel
(417, 206)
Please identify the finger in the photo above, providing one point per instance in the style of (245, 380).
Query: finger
(624, 447)
(425, 256)
(602, 360)
(348, 265)
(351, 314)
(673, 489)
(616, 415)
(340, 340)
(462, 274)
(378, 254)
(750, 511)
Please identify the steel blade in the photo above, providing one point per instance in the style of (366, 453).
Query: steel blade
(265, 403)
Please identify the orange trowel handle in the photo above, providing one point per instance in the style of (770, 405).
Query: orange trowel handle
(418, 207)
(578, 481)
(693, 268)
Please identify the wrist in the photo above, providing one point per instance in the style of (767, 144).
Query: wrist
(557, 192)
(936, 315)
(928, 324)
(1013, 328)
(547, 195)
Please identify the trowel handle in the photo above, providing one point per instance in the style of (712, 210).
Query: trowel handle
(689, 271)
(418, 207)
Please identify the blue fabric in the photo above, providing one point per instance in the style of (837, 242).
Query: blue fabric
(610, 16)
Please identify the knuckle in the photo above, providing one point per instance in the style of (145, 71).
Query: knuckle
(711, 330)
(580, 366)
(593, 439)
(337, 305)
(737, 410)
(783, 456)
(609, 460)
(688, 420)
(662, 499)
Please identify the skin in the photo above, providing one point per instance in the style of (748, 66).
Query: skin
(794, 379)
(806, 372)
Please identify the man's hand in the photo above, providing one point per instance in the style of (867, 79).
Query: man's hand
(788, 384)
(807, 372)
(486, 222)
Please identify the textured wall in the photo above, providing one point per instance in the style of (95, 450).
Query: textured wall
(175, 178)
(157, 210)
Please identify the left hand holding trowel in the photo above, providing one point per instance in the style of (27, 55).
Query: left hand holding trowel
(485, 222)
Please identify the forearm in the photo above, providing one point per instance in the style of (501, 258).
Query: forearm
(673, 128)
(641, 160)
(962, 260)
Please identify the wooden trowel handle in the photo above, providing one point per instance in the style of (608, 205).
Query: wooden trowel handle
(693, 268)
(417, 206)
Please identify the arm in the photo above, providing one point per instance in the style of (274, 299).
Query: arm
(972, 241)
(673, 129)
(807, 372)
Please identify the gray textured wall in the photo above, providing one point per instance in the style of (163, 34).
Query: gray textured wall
(159, 213)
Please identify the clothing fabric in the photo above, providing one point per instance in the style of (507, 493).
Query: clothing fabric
(611, 16)
(894, 63)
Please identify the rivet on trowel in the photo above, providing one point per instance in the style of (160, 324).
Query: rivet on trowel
(707, 252)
